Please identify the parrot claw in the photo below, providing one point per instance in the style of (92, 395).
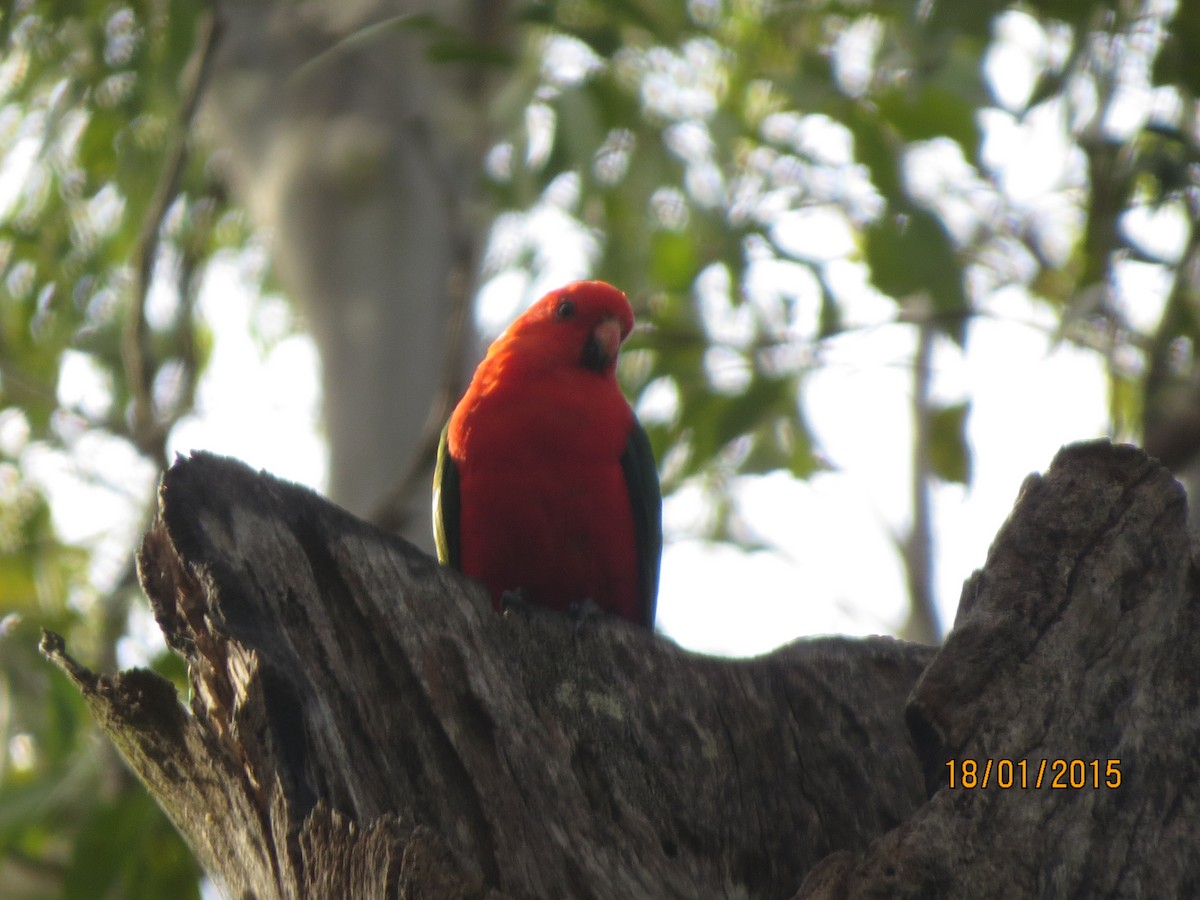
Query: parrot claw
(514, 601)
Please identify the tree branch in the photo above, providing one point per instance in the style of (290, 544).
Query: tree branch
(342, 680)
(917, 547)
(149, 437)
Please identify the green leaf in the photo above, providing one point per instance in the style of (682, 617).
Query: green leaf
(933, 111)
(949, 19)
(874, 147)
(785, 444)
(1049, 86)
(128, 849)
(26, 802)
(766, 412)
(673, 262)
(479, 53)
(830, 323)
(763, 399)
(578, 132)
(1132, 403)
(1178, 61)
(1074, 12)
(949, 452)
(911, 253)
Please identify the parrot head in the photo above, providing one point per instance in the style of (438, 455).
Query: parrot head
(581, 324)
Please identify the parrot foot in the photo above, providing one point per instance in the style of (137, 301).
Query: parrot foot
(514, 601)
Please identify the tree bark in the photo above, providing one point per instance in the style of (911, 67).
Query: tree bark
(1075, 642)
(363, 724)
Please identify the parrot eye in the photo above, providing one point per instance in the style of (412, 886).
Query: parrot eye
(565, 310)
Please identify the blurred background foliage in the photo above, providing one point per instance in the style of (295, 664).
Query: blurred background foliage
(689, 145)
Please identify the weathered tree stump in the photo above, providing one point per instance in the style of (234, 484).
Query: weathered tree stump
(1075, 644)
(362, 724)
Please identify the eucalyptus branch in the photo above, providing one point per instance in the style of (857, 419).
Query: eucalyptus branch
(135, 352)
(917, 545)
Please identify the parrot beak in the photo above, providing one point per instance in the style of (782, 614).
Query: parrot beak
(608, 336)
(602, 345)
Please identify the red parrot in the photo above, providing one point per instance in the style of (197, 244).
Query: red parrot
(545, 482)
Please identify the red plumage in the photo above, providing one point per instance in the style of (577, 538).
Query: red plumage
(540, 447)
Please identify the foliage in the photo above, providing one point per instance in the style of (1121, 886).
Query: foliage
(705, 145)
(747, 170)
(91, 96)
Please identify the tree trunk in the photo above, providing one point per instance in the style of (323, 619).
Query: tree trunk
(359, 152)
(362, 724)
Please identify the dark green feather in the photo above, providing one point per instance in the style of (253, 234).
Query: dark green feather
(645, 500)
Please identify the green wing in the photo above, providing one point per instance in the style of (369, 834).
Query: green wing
(446, 505)
(645, 499)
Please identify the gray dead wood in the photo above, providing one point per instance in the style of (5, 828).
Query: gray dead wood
(1076, 641)
(362, 724)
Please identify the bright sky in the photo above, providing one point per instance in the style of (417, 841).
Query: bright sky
(836, 568)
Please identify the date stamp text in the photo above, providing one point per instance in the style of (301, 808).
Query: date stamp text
(1055, 774)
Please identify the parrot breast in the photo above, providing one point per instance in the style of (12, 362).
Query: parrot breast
(544, 503)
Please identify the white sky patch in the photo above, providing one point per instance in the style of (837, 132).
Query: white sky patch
(669, 208)
(263, 409)
(14, 431)
(1162, 230)
(718, 599)
(1016, 59)
(18, 164)
(936, 174)
(562, 250)
(1033, 155)
(162, 298)
(539, 128)
(705, 184)
(770, 282)
(1029, 397)
(83, 386)
(685, 84)
(817, 233)
(143, 639)
(862, 304)
(1142, 293)
(727, 370)
(854, 54)
(659, 402)
(96, 490)
(499, 300)
(724, 321)
(860, 393)
(567, 61)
